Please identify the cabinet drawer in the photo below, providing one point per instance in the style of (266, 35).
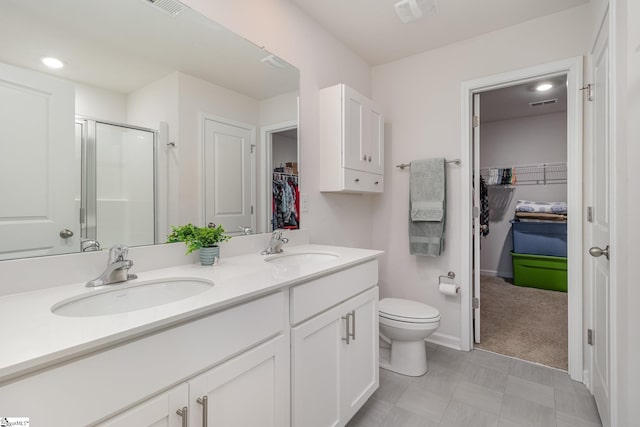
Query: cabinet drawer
(363, 182)
(321, 294)
(107, 382)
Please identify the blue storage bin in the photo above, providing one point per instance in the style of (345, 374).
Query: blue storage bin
(539, 238)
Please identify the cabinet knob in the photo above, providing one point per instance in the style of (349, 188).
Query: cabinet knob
(357, 180)
(376, 183)
(369, 159)
(364, 158)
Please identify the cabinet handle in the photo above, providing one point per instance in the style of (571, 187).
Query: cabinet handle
(353, 324)
(204, 401)
(184, 413)
(357, 180)
(346, 324)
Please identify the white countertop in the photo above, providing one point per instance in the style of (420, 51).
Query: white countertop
(33, 337)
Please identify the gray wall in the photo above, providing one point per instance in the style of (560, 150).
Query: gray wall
(284, 149)
(528, 140)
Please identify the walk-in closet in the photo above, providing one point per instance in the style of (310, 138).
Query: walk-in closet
(284, 185)
(523, 221)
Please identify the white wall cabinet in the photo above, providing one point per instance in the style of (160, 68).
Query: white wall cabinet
(335, 362)
(352, 138)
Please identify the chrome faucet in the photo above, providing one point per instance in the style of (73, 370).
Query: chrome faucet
(276, 243)
(89, 245)
(246, 230)
(117, 268)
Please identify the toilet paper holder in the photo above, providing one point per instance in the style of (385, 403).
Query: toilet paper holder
(450, 275)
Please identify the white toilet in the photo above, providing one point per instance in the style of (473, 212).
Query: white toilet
(404, 325)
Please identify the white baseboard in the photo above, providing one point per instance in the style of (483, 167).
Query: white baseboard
(586, 379)
(505, 274)
(445, 340)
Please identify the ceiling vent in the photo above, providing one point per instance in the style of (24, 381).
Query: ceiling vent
(170, 7)
(411, 10)
(545, 102)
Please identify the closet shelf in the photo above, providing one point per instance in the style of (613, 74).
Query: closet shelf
(537, 174)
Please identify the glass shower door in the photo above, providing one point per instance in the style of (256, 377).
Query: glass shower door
(118, 183)
(124, 185)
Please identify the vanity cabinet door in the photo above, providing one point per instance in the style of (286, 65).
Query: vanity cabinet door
(359, 369)
(159, 411)
(332, 375)
(316, 353)
(249, 390)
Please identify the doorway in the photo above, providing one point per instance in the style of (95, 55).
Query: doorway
(281, 189)
(521, 142)
(470, 310)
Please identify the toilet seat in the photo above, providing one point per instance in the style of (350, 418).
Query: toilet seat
(403, 310)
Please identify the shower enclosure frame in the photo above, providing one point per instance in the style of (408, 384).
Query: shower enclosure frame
(88, 175)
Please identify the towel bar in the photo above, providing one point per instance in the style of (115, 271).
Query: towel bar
(408, 165)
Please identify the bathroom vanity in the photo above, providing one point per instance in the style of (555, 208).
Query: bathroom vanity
(282, 340)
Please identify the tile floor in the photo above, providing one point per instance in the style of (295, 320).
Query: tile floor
(478, 389)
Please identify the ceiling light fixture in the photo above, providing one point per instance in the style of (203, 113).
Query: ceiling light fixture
(411, 10)
(52, 62)
(543, 87)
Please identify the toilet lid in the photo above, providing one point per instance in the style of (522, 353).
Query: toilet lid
(407, 310)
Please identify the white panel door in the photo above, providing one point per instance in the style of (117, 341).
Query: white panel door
(249, 390)
(316, 359)
(476, 216)
(360, 367)
(229, 175)
(38, 173)
(159, 411)
(600, 197)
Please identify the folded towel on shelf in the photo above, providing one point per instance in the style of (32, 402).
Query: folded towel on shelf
(427, 189)
(541, 207)
(427, 207)
(540, 216)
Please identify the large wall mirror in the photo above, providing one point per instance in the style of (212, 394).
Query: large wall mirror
(157, 117)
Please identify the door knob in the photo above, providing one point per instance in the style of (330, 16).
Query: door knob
(597, 252)
(66, 233)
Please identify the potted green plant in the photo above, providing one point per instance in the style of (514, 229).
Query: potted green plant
(204, 239)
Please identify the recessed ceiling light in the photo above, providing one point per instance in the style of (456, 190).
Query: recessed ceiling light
(52, 62)
(544, 87)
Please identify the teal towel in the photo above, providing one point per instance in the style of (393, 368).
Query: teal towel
(427, 202)
(427, 188)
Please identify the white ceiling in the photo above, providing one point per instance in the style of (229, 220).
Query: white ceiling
(123, 45)
(372, 29)
(513, 102)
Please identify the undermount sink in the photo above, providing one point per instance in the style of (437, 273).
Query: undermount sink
(301, 258)
(123, 298)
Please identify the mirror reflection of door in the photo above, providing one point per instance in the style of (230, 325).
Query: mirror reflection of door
(37, 173)
(229, 175)
(118, 192)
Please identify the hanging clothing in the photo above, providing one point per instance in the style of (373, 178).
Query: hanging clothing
(484, 208)
(285, 202)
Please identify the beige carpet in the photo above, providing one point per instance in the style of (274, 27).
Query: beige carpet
(526, 323)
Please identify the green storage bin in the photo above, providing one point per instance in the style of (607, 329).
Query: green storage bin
(539, 271)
